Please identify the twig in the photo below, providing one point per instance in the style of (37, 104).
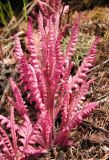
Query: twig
(85, 123)
(105, 62)
(6, 90)
(103, 98)
(20, 33)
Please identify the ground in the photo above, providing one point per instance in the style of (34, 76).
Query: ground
(91, 139)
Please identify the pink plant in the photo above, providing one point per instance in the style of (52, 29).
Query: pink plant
(46, 79)
(49, 7)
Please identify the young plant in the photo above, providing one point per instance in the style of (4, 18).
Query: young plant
(49, 7)
(25, 9)
(45, 77)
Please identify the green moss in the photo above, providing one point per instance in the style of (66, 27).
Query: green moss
(98, 13)
(106, 35)
(84, 42)
(87, 3)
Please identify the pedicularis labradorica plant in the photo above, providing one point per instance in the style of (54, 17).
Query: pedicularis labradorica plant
(45, 77)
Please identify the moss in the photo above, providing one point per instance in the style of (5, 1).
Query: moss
(84, 42)
(106, 35)
(87, 3)
(98, 13)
